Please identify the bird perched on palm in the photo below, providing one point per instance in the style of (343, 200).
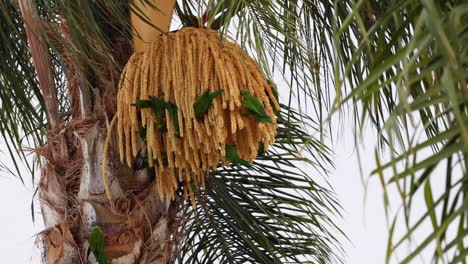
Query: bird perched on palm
(96, 244)
(255, 107)
(234, 158)
(159, 107)
(204, 102)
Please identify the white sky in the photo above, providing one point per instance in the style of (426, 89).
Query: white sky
(363, 220)
(17, 231)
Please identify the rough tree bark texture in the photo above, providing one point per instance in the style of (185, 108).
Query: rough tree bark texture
(136, 224)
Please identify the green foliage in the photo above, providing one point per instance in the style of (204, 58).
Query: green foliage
(406, 72)
(89, 26)
(22, 115)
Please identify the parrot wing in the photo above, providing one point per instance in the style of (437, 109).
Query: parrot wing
(204, 102)
(234, 158)
(96, 244)
(143, 104)
(172, 109)
(255, 107)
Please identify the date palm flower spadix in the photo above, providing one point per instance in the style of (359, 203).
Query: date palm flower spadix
(177, 70)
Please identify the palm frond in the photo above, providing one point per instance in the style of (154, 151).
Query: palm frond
(404, 65)
(274, 212)
(22, 116)
(87, 46)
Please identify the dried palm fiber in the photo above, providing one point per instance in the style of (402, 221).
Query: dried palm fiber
(178, 68)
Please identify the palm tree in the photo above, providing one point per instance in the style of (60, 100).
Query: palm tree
(399, 65)
(63, 62)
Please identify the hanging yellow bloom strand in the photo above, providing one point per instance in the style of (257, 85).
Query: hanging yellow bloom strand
(156, 97)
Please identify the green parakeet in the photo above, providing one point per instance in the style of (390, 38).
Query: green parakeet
(203, 103)
(234, 158)
(96, 244)
(159, 109)
(255, 107)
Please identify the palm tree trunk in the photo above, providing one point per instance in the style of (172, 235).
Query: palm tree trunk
(136, 224)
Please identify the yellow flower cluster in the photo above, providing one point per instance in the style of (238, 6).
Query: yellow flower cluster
(178, 68)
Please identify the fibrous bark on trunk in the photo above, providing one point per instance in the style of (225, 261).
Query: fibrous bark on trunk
(136, 223)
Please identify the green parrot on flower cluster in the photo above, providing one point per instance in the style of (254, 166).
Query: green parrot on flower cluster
(255, 107)
(234, 158)
(201, 107)
(159, 107)
(204, 102)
